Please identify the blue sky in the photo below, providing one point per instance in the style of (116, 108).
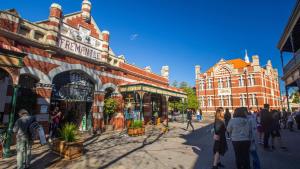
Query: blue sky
(180, 33)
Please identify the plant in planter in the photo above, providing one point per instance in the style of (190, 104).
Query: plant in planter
(110, 106)
(136, 128)
(68, 145)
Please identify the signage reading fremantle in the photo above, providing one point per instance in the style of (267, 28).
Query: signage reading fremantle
(78, 48)
(80, 42)
(224, 91)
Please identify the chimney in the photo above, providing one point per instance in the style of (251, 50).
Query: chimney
(86, 10)
(165, 72)
(54, 23)
(105, 45)
(255, 60)
(148, 69)
(197, 71)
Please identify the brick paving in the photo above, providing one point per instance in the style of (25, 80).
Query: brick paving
(177, 149)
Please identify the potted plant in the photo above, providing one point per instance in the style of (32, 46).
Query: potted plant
(110, 106)
(136, 129)
(68, 146)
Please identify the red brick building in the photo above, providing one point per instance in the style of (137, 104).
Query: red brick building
(235, 83)
(67, 61)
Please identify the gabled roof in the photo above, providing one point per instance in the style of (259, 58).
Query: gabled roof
(237, 64)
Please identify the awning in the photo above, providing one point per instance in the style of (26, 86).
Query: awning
(152, 89)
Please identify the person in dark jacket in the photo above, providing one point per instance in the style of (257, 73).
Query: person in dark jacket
(266, 123)
(227, 117)
(189, 119)
(220, 144)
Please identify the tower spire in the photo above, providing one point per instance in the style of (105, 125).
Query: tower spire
(246, 56)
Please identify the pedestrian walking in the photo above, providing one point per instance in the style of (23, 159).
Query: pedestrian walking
(275, 134)
(284, 117)
(220, 144)
(55, 116)
(24, 139)
(227, 117)
(189, 119)
(240, 131)
(199, 115)
(253, 148)
(266, 122)
(297, 118)
(290, 121)
(259, 128)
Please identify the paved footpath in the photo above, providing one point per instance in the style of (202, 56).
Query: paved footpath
(177, 149)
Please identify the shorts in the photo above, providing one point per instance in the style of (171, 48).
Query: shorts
(275, 133)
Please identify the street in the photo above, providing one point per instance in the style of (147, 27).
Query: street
(177, 149)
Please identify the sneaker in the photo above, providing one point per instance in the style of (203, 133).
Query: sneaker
(221, 165)
(214, 167)
(273, 148)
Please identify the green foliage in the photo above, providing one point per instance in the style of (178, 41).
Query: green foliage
(110, 106)
(136, 124)
(175, 84)
(191, 103)
(296, 97)
(68, 132)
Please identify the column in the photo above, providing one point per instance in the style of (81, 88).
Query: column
(43, 92)
(141, 94)
(119, 120)
(167, 109)
(97, 109)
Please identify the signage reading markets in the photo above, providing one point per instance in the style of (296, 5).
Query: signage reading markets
(79, 48)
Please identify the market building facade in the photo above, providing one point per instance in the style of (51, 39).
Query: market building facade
(289, 46)
(237, 83)
(67, 61)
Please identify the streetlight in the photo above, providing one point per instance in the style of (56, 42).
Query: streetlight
(246, 81)
(205, 80)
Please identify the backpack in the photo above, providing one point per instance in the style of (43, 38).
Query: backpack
(32, 129)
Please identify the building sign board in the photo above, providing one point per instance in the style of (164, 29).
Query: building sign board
(224, 91)
(80, 42)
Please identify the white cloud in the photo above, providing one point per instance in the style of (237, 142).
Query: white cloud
(134, 36)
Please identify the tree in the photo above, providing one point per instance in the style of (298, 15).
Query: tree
(175, 84)
(191, 103)
(183, 85)
(110, 106)
(296, 97)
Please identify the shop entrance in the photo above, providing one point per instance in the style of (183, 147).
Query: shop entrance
(73, 93)
(5, 92)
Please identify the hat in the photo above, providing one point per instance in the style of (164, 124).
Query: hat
(23, 112)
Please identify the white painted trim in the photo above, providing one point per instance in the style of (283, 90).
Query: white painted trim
(42, 77)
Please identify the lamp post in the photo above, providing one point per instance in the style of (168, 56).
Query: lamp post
(205, 80)
(246, 81)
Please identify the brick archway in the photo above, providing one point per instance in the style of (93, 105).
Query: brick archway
(77, 67)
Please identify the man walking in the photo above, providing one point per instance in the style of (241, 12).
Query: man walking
(189, 119)
(266, 122)
(24, 139)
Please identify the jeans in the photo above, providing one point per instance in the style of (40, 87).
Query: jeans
(189, 123)
(255, 159)
(23, 153)
(266, 138)
(242, 154)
